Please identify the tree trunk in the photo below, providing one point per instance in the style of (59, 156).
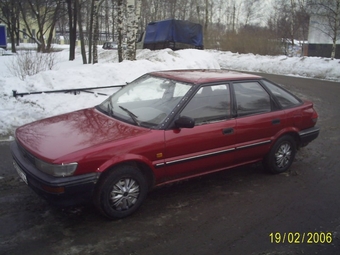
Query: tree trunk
(13, 48)
(50, 37)
(131, 30)
(114, 19)
(12, 33)
(91, 30)
(54, 21)
(97, 4)
(206, 21)
(41, 44)
(336, 28)
(292, 31)
(71, 17)
(17, 26)
(234, 19)
(81, 33)
(120, 22)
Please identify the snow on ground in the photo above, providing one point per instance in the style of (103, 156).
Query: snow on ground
(66, 74)
(311, 67)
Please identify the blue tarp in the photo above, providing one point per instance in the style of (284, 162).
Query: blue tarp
(174, 31)
(3, 40)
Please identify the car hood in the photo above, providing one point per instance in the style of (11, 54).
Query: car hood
(55, 137)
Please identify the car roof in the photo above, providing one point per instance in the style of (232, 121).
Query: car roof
(202, 76)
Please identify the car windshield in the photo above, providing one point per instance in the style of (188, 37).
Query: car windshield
(146, 101)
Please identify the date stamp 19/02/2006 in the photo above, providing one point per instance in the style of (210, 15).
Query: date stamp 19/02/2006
(300, 238)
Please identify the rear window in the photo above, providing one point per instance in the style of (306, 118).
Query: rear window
(285, 99)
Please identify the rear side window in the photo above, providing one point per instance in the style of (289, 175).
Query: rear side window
(285, 99)
(251, 98)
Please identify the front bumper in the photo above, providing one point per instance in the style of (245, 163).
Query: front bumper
(308, 135)
(60, 191)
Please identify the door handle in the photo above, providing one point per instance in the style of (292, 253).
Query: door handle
(227, 131)
(276, 121)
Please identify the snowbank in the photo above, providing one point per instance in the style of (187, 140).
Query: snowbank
(311, 67)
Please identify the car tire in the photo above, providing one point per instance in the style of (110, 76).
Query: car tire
(281, 155)
(121, 192)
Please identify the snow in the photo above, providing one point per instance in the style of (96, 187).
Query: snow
(310, 67)
(66, 74)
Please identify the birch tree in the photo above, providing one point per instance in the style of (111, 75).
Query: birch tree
(120, 28)
(133, 16)
(328, 12)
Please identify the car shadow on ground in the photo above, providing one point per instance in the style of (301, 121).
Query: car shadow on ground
(180, 194)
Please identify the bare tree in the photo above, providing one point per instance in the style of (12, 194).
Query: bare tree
(328, 12)
(9, 10)
(252, 10)
(290, 21)
(44, 13)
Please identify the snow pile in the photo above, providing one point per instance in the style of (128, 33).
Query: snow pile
(311, 67)
(15, 112)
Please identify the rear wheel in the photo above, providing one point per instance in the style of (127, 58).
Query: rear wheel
(281, 156)
(121, 192)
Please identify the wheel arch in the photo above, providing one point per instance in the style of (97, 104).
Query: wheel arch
(142, 166)
(282, 162)
(293, 133)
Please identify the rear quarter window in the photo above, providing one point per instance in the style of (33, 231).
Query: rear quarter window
(251, 98)
(285, 98)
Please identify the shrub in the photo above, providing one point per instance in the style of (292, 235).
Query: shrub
(28, 63)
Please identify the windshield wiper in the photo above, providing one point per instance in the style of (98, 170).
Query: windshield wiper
(110, 108)
(131, 114)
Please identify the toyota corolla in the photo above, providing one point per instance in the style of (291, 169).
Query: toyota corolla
(163, 127)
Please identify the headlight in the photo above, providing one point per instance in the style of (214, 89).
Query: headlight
(56, 170)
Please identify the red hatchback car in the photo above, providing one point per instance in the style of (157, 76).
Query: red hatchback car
(163, 127)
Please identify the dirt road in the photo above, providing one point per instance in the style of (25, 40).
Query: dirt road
(240, 211)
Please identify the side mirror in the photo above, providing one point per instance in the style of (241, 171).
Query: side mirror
(185, 122)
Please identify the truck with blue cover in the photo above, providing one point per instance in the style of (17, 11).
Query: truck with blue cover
(173, 34)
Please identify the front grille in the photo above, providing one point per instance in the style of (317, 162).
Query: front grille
(27, 155)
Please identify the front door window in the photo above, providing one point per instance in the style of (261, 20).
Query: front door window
(210, 103)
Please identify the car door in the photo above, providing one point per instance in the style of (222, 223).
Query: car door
(209, 145)
(258, 121)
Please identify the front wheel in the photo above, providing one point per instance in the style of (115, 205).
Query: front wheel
(121, 192)
(281, 156)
